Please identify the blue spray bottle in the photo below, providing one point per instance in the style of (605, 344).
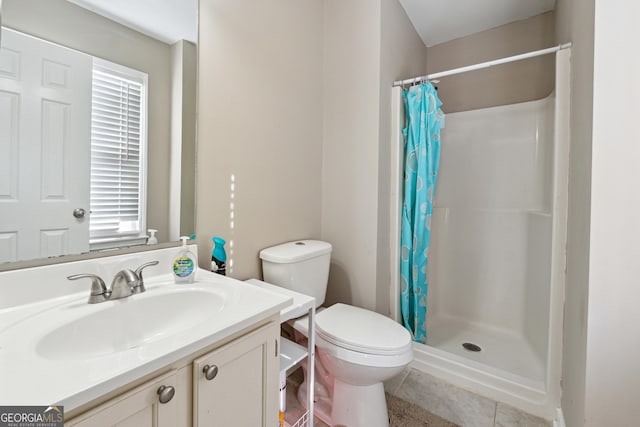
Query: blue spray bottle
(218, 257)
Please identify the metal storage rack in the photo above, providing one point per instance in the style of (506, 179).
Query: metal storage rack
(292, 354)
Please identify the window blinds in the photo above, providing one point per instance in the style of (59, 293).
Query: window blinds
(117, 143)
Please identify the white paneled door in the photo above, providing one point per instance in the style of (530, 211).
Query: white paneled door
(45, 135)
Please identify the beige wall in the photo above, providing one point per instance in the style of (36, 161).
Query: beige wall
(350, 149)
(295, 104)
(183, 139)
(188, 137)
(402, 55)
(601, 380)
(575, 24)
(519, 81)
(69, 25)
(613, 340)
(259, 126)
(367, 46)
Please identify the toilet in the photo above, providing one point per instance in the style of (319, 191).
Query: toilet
(358, 349)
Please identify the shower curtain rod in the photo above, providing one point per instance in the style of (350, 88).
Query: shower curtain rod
(482, 65)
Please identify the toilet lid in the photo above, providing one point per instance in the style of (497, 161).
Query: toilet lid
(362, 330)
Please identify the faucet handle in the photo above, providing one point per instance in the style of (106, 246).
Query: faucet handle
(99, 291)
(139, 288)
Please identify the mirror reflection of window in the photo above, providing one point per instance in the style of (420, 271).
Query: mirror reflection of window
(118, 155)
(161, 42)
(60, 108)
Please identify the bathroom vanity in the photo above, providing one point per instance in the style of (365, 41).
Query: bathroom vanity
(233, 384)
(176, 355)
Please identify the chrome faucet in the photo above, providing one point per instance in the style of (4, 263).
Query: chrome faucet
(125, 283)
(122, 283)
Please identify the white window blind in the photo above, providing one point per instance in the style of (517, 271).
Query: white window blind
(118, 152)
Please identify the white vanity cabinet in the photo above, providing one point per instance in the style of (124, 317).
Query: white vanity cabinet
(237, 384)
(242, 389)
(140, 407)
(110, 374)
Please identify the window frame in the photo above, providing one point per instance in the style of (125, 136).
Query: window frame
(109, 241)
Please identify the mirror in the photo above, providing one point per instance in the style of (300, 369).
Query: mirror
(52, 200)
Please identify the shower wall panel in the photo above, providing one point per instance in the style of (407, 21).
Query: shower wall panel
(489, 256)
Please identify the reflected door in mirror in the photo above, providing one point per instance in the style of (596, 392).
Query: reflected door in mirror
(44, 160)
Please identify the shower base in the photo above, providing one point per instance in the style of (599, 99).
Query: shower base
(506, 369)
(501, 349)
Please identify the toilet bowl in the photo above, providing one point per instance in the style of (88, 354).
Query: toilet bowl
(358, 349)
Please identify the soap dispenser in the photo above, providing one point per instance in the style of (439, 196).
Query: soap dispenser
(152, 240)
(185, 264)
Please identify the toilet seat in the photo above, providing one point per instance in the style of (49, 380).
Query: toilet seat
(362, 331)
(364, 359)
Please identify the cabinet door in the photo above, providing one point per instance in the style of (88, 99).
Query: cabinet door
(140, 407)
(244, 391)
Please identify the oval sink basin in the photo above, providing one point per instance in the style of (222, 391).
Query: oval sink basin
(129, 323)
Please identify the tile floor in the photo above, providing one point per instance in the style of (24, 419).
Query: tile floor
(457, 405)
(437, 397)
(401, 413)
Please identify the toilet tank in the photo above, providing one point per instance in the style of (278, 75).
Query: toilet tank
(302, 266)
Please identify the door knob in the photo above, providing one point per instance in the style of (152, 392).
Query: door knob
(210, 372)
(79, 213)
(165, 393)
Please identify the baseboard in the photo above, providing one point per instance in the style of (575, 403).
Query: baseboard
(559, 421)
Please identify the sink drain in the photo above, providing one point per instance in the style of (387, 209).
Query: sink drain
(471, 347)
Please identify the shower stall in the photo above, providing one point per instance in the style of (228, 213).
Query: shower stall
(497, 252)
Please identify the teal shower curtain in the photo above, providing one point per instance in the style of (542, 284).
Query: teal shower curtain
(421, 163)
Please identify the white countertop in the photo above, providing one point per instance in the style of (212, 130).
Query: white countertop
(29, 378)
(299, 307)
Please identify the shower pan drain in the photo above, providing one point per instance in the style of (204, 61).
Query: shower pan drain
(471, 347)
